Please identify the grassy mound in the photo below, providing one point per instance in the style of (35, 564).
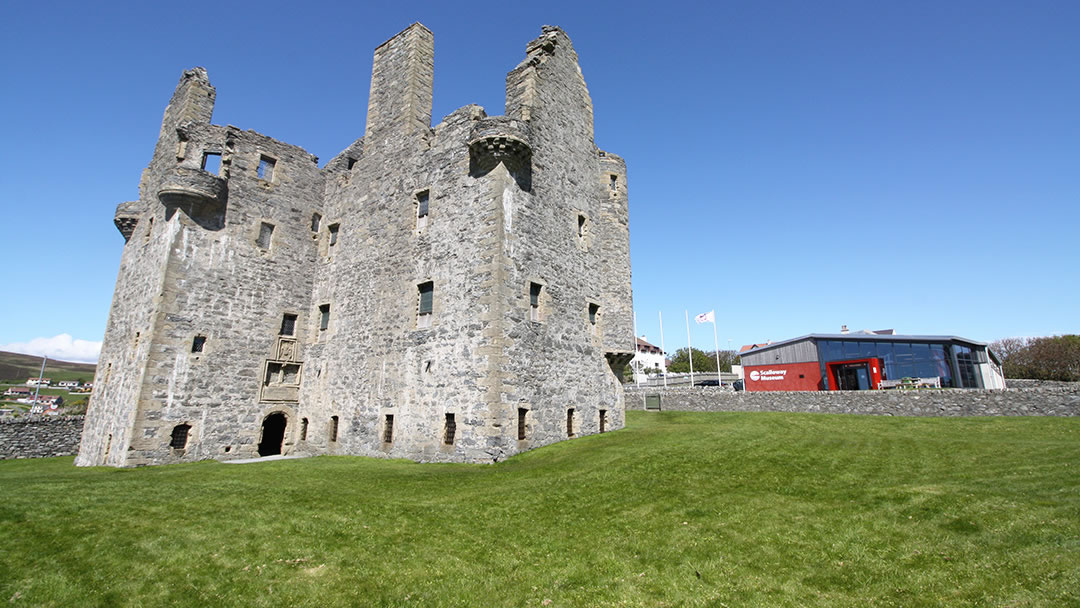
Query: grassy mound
(678, 509)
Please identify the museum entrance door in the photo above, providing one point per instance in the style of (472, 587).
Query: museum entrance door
(273, 434)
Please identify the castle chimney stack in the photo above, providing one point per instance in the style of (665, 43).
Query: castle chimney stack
(402, 77)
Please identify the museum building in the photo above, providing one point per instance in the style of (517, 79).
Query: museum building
(870, 361)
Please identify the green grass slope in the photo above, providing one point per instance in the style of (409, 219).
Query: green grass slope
(678, 509)
(16, 368)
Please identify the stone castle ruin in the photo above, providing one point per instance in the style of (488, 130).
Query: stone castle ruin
(457, 293)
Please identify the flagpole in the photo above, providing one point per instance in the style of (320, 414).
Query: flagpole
(689, 349)
(716, 344)
(663, 354)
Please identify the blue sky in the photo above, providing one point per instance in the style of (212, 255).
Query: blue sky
(793, 165)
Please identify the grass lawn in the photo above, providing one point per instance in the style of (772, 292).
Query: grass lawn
(678, 509)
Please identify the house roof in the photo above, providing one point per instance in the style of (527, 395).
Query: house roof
(867, 336)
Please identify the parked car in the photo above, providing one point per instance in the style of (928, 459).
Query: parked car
(737, 385)
(707, 383)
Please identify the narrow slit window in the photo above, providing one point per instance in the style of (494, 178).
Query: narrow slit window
(425, 305)
(198, 343)
(594, 316)
(316, 221)
(303, 429)
(570, 422)
(522, 413)
(288, 324)
(179, 438)
(603, 420)
(333, 230)
(450, 430)
(333, 428)
(350, 163)
(388, 429)
(614, 185)
(266, 168)
(266, 231)
(422, 201)
(211, 162)
(534, 301)
(324, 317)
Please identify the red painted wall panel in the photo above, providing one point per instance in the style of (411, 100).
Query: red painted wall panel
(783, 377)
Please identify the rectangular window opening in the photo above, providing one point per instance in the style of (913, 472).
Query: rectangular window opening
(522, 412)
(316, 221)
(288, 324)
(603, 420)
(534, 301)
(333, 230)
(594, 315)
(450, 430)
(388, 429)
(303, 429)
(570, 422)
(614, 183)
(179, 438)
(197, 344)
(266, 231)
(211, 162)
(350, 163)
(426, 296)
(422, 199)
(266, 168)
(324, 317)
(333, 428)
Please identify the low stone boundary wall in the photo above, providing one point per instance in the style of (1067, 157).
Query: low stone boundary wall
(1046, 401)
(40, 436)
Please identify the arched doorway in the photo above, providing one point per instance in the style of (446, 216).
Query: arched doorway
(273, 434)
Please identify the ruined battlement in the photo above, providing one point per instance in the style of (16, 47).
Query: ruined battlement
(450, 293)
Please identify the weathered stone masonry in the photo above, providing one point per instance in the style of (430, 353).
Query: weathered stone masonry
(456, 293)
(1041, 401)
(39, 436)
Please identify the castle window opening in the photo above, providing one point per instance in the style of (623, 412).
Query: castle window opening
(522, 412)
(179, 438)
(288, 324)
(450, 430)
(149, 230)
(266, 230)
(422, 200)
(603, 420)
(388, 429)
(534, 301)
(316, 221)
(333, 230)
(266, 168)
(324, 317)
(614, 183)
(211, 162)
(570, 422)
(197, 344)
(594, 316)
(426, 292)
(582, 230)
(350, 163)
(303, 429)
(333, 428)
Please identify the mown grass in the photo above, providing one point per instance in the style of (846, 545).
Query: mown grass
(678, 509)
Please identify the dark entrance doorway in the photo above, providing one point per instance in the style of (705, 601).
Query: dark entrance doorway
(853, 377)
(273, 434)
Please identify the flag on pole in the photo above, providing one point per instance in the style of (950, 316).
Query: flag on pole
(706, 317)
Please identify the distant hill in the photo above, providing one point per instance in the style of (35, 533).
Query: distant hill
(15, 367)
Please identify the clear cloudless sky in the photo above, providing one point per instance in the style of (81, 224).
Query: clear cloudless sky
(793, 165)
